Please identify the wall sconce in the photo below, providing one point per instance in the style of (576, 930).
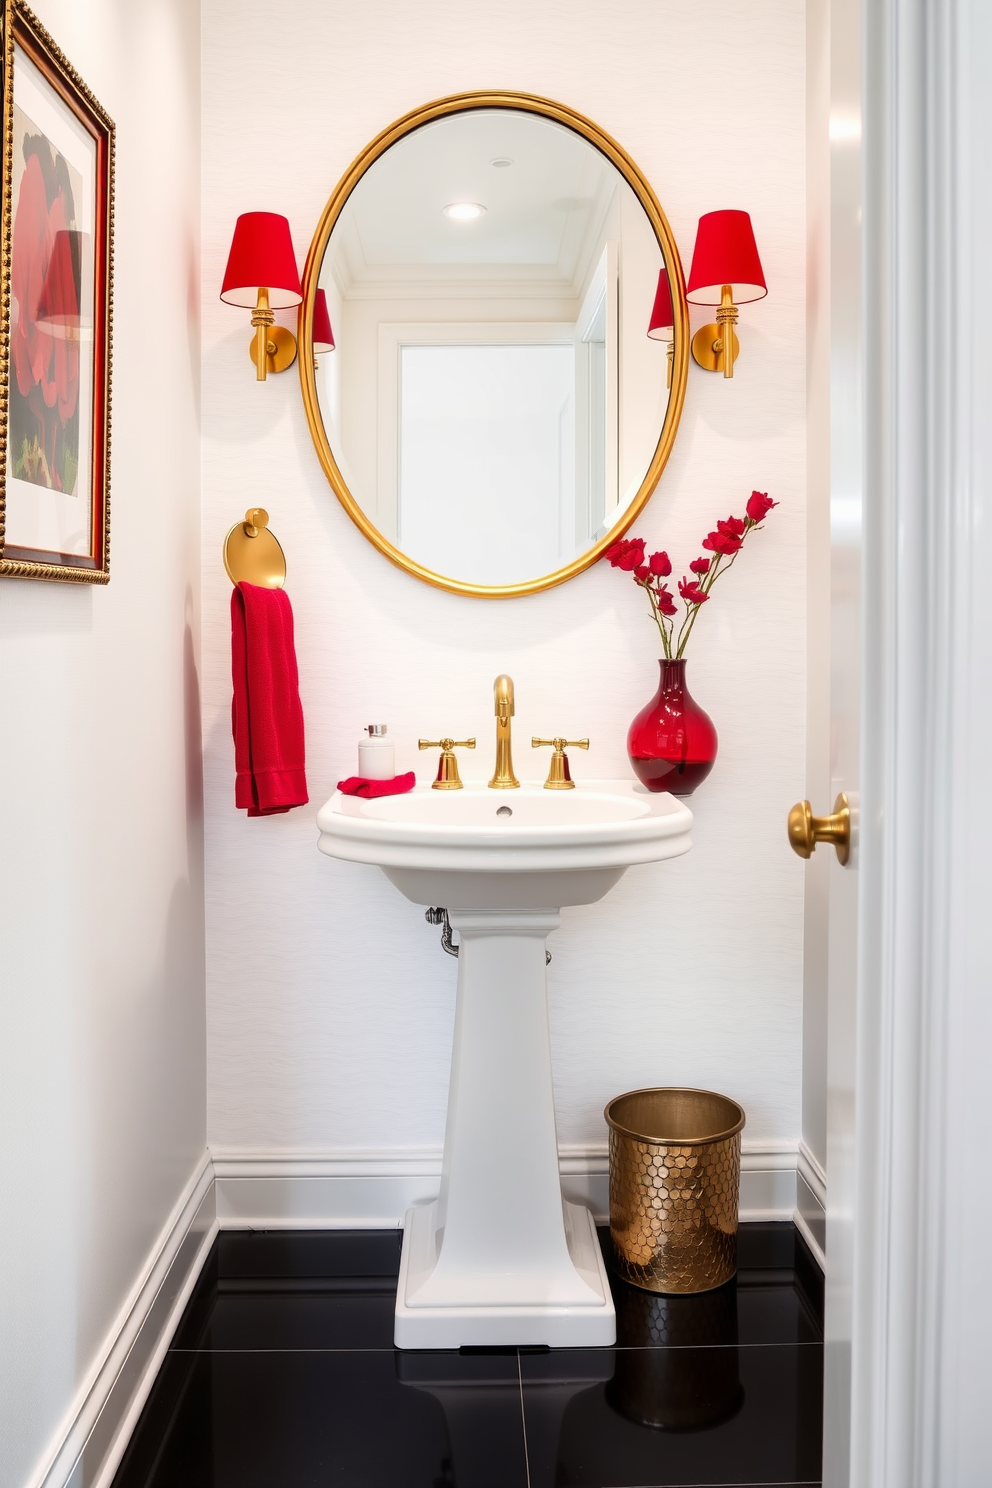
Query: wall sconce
(261, 276)
(662, 323)
(323, 335)
(726, 271)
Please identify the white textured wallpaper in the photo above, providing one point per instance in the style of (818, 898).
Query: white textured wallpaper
(329, 999)
(102, 1061)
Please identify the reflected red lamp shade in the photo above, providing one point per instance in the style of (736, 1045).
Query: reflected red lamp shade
(261, 257)
(661, 326)
(725, 253)
(323, 336)
(60, 303)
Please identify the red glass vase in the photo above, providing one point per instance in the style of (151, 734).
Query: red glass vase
(672, 742)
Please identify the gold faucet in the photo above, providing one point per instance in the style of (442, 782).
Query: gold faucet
(504, 778)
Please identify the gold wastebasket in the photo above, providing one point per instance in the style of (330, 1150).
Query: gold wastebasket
(675, 1170)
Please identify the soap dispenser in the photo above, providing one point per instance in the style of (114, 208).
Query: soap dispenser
(376, 757)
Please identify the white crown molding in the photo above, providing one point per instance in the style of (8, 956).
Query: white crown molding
(90, 1441)
(503, 288)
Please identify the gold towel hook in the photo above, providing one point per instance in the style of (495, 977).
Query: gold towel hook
(252, 554)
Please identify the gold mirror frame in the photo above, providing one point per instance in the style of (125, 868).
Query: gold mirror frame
(559, 113)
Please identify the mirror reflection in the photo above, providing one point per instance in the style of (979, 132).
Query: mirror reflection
(493, 401)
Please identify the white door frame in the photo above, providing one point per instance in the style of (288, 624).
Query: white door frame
(923, 1199)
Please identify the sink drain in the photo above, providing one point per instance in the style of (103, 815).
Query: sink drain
(504, 811)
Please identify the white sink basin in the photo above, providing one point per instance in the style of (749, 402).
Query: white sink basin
(499, 1257)
(530, 847)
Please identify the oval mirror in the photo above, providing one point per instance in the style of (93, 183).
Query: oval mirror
(493, 413)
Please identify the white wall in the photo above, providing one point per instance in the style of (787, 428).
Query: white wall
(102, 984)
(330, 1005)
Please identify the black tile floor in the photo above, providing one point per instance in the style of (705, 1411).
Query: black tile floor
(283, 1374)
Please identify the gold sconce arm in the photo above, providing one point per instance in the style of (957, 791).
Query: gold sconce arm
(261, 318)
(448, 777)
(559, 775)
(715, 347)
(273, 348)
(806, 830)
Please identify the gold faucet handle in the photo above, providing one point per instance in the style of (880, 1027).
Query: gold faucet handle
(559, 775)
(448, 777)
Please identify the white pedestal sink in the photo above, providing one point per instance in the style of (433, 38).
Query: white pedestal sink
(500, 1257)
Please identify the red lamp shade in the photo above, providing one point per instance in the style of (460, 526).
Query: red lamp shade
(323, 336)
(261, 257)
(725, 253)
(662, 324)
(60, 302)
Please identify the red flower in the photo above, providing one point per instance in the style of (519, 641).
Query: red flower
(666, 603)
(660, 565)
(732, 527)
(627, 554)
(759, 506)
(642, 573)
(700, 565)
(691, 592)
(721, 542)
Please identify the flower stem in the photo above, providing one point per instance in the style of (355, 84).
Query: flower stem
(659, 619)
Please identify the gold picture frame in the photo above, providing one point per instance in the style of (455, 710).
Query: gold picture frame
(56, 298)
(561, 114)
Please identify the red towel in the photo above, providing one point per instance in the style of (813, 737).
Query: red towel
(266, 715)
(358, 785)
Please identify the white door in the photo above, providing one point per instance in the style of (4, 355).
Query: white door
(909, 985)
(846, 383)
(834, 669)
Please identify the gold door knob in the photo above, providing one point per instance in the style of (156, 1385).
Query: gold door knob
(806, 830)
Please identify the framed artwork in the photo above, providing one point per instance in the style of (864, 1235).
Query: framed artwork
(56, 279)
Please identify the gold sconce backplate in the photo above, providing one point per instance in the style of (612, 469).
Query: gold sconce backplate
(281, 347)
(707, 350)
(252, 555)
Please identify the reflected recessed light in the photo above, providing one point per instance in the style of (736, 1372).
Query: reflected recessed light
(501, 161)
(464, 211)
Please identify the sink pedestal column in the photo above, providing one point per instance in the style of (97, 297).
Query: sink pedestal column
(500, 1257)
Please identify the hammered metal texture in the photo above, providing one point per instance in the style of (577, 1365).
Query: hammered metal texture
(673, 1212)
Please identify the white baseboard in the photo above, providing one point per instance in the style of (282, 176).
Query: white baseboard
(345, 1189)
(363, 1189)
(90, 1442)
(811, 1203)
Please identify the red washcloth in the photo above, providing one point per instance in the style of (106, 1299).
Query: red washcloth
(266, 715)
(357, 785)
